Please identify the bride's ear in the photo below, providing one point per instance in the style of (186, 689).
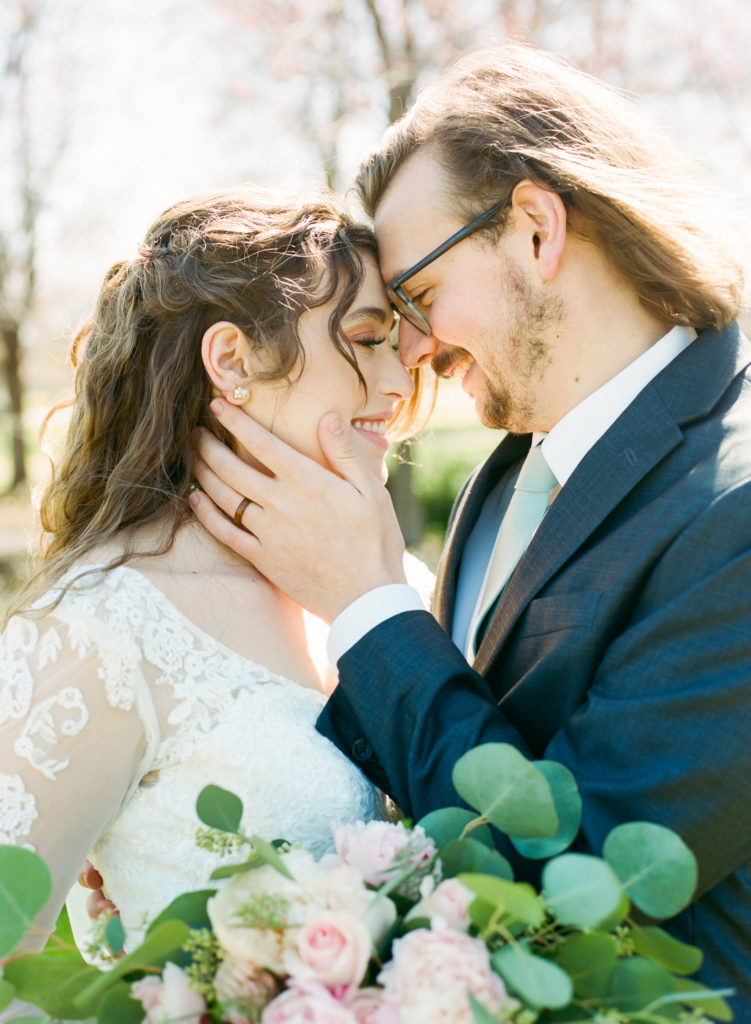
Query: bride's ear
(228, 361)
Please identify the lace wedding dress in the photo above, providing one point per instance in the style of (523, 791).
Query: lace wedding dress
(116, 710)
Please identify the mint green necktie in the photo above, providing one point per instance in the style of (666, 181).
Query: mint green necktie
(524, 514)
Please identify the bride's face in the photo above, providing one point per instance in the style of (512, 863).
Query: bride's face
(329, 384)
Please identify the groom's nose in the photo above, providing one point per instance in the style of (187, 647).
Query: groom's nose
(415, 348)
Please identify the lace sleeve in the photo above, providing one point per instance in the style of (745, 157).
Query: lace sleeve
(77, 730)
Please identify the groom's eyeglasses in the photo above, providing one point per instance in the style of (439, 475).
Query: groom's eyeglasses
(403, 305)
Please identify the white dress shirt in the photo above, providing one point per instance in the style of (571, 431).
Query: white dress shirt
(564, 448)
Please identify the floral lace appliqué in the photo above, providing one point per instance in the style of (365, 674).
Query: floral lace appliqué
(18, 810)
(45, 724)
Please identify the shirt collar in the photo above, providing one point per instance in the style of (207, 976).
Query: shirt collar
(578, 431)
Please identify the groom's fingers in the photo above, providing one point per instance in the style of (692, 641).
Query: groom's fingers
(213, 519)
(278, 457)
(225, 476)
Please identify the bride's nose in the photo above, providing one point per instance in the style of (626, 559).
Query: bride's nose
(394, 379)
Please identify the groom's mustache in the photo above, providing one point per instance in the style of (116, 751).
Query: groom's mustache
(446, 359)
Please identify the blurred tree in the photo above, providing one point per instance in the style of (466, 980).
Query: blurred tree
(33, 129)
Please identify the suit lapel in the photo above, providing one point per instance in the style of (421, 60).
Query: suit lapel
(512, 449)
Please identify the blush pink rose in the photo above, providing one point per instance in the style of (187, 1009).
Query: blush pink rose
(307, 1002)
(364, 1003)
(430, 976)
(169, 998)
(382, 849)
(333, 949)
(449, 901)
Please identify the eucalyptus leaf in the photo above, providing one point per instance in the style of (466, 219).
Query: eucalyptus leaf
(590, 960)
(540, 982)
(158, 945)
(268, 854)
(580, 890)
(448, 823)
(220, 809)
(568, 806)
(62, 941)
(637, 983)
(7, 992)
(507, 789)
(114, 933)
(691, 993)
(470, 855)
(515, 901)
(655, 944)
(613, 920)
(479, 1014)
(228, 870)
(656, 868)
(189, 907)
(118, 1007)
(25, 886)
(52, 983)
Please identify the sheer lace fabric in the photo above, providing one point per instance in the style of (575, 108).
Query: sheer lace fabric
(115, 711)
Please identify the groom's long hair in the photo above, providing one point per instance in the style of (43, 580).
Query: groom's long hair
(251, 257)
(506, 113)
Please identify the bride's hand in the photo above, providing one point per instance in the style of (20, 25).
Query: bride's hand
(97, 903)
(322, 538)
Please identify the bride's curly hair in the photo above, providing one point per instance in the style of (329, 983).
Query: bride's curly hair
(257, 259)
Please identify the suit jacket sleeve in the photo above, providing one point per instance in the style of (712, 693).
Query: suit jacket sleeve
(661, 732)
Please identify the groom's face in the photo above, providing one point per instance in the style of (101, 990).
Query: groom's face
(490, 319)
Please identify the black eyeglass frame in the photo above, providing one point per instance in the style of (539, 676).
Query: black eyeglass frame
(399, 301)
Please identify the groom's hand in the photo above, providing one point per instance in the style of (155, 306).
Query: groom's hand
(324, 539)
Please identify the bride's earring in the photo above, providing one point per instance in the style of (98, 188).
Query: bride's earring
(240, 394)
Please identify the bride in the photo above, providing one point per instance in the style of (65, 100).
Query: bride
(145, 660)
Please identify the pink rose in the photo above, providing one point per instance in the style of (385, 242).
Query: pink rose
(306, 1002)
(450, 901)
(364, 1003)
(380, 850)
(169, 998)
(431, 974)
(333, 949)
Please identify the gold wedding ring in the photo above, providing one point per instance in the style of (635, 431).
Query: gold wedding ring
(244, 502)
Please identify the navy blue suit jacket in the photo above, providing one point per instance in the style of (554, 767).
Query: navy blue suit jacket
(620, 647)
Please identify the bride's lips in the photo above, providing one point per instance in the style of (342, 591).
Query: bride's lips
(373, 428)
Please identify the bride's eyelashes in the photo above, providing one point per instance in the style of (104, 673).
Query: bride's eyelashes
(369, 342)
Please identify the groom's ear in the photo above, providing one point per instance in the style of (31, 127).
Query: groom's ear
(540, 217)
(227, 359)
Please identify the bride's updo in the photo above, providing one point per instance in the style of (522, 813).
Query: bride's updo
(257, 259)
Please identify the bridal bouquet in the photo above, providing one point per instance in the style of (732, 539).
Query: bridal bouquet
(400, 925)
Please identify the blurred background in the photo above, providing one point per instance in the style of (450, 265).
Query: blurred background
(109, 112)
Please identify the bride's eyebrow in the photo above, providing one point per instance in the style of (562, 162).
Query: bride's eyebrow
(378, 313)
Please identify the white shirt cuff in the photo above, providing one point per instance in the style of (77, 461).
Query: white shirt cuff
(369, 611)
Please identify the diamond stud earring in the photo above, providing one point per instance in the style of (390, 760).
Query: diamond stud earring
(240, 394)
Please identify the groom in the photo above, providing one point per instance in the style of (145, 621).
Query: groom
(542, 245)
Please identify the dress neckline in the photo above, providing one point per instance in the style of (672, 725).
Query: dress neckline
(194, 628)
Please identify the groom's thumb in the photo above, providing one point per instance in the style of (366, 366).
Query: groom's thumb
(338, 449)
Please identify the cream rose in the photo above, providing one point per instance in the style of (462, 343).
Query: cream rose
(448, 903)
(169, 998)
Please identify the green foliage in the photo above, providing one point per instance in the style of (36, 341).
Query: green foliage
(25, 886)
(568, 807)
(657, 869)
(580, 890)
(540, 983)
(507, 790)
(570, 952)
(220, 809)
(449, 823)
(462, 855)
